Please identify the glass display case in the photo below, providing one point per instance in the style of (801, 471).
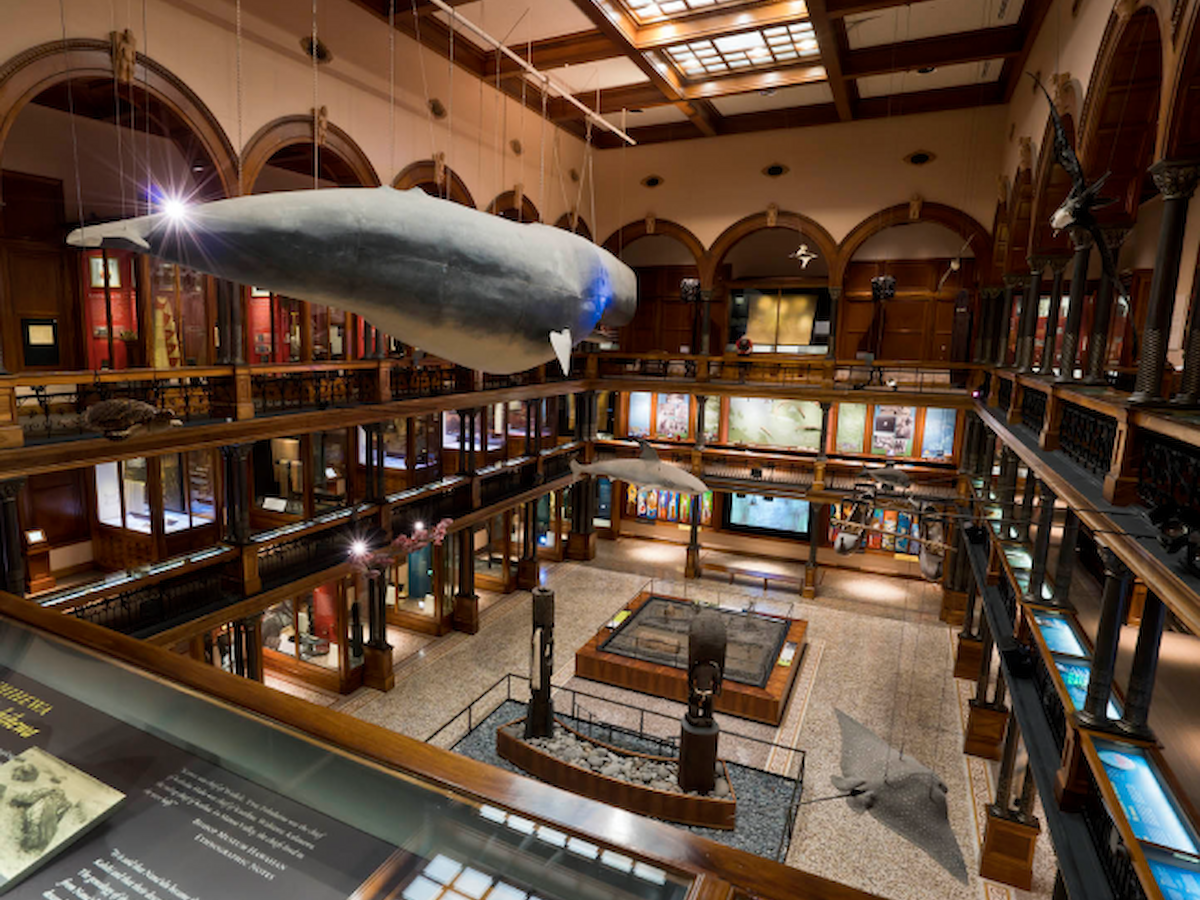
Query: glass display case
(330, 456)
(215, 801)
(279, 477)
(122, 495)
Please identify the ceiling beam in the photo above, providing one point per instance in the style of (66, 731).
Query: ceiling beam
(944, 50)
(831, 56)
(612, 101)
(553, 53)
(1033, 14)
(753, 81)
(664, 34)
(937, 100)
(837, 9)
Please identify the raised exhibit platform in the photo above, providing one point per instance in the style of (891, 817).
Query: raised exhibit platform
(644, 649)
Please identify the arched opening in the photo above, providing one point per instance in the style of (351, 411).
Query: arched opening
(78, 146)
(662, 254)
(771, 283)
(283, 156)
(580, 227)
(507, 205)
(423, 174)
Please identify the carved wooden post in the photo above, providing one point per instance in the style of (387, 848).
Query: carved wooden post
(706, 668)
(539, 720)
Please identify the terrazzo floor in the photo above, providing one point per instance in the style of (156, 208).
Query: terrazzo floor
(876, 650)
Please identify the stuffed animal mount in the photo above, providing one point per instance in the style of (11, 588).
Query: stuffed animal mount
(122, 418)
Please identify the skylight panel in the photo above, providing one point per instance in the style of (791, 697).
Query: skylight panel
(734, 42)
(757, 49)
(672, 7)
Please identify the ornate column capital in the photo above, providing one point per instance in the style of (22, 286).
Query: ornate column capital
(991, 291)
(1114, 567)
(1114, 236)
(236, 452)
(10, 488)
(1014, 281)
(1058, 263)
(1176, 179)
(1081, 238)
(1038, 263)
(835, 293)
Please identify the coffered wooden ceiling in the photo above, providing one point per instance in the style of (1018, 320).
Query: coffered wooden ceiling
(678, 69)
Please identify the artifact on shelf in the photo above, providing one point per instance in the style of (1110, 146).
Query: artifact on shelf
(699, 733)
(123, 417)
(899, 792)
(476, 289)
(646, 471)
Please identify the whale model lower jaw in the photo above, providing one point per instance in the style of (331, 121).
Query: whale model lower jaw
(467, 286)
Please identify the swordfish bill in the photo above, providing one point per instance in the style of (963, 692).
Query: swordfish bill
(473, 288)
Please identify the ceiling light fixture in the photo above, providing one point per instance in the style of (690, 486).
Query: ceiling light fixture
(652, 181)
(926, 70)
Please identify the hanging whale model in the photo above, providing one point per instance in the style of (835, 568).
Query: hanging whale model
(646, 471)
(476, 289)
(899, 792)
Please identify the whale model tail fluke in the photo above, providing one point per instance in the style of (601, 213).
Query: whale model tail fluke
(125, 234)
(561, 342)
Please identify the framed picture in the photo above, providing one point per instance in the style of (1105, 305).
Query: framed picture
(96, 268)
(259, 292)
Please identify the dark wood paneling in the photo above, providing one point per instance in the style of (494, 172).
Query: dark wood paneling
(663, 321)
(56, 503)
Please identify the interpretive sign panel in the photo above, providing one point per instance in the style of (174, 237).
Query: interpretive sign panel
(1149, 809)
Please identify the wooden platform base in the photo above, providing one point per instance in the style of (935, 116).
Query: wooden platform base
(765, 705)
(954, 607)
(968, 658)
(985, 731)
(709, 812)
(1008, 846)
(377, 668)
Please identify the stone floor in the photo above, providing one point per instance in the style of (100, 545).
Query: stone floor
(876, 650)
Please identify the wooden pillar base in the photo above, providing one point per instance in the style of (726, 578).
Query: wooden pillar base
(1008, 846)
(466, 613)
(581, 546)
(986, 726)
(377, 668)
(11, 436)
(968, 658)
(691, 566)
(954, 607)
(1071, 780)
(809, 590)
(527, 574)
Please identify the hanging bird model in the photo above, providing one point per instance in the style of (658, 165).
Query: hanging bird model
(122, 418)
(474, 288)
(1077, 210)
(803, 256)
(956, 263)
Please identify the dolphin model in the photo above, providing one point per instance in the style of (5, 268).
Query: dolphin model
(474, 288)
(899, 792)
(646, 471)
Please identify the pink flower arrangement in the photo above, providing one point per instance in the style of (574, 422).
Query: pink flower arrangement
(372, 564)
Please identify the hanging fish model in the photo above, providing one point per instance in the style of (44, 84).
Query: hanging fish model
(646, 471)
(476, 289)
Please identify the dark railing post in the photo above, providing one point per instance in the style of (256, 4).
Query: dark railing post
(1027, 329)
(12, 552)
(1136, 715)
(1108, 635)
(1102, 316)
(1066, 560)
(1041, 545)
(1058, 265)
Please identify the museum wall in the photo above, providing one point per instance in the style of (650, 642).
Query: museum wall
(197, 43)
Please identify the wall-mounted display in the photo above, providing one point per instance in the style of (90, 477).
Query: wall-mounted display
(787, 516)
(1151, 811)
(774, 321)
(791, 424)
(892, 430)
(712, 418)
(639, 414)
(672, 418)
(665, 506)
(937, 437)
(851, 427)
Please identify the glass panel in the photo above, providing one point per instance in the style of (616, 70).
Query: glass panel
(395, 439)
(892, 430)
(175, 511)
(488, 544)
(639, 414)
(279, 476)
(319, 638)
(603, 518)
(202, 486)
(796, 314)
(320, 331)
(516, 419)
(410, 583)
(108, 494)
(1059, 634)
(672, 419)
(451, 430)
(279, 629)
(289, 314)
(329, 470)
(606, 417)
(495, 427)
(546, 508)
(137, 498)
(937, 440)
(794, 424)
(337, 334)
(1075, 675)
(1148, 806)
(851, 427)
(712, 418)
(194, 313)
(762, 319)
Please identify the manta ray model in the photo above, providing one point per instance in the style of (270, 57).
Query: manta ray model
(899, 792)
(474, 288)
(646, 471)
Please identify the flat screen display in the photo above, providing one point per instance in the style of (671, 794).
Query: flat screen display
(1151, 812)
(776, 515)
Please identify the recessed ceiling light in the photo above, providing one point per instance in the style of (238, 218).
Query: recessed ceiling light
(775, 170)
(920, 158)
(926, 70)
(652, 181)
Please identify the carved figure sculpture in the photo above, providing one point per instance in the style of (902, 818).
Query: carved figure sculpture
(707, 641)
(476, 289)
(899, 792)
(539, 720)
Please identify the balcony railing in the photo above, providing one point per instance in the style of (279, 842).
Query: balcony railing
(147, 608)
(1004, 393)
(1169, 473)
(1087, 437)
(1033, 410)
(283, 391)
(1052, 703)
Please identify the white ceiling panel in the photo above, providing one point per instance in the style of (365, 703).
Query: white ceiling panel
(782, 98)
(929, 18)
(984, 72)
(602, 75)
(533, 21)
(651, 115)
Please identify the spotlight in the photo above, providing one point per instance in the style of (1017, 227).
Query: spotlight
(358, 548)
(419, 526)
(174, 209)
(975, 394)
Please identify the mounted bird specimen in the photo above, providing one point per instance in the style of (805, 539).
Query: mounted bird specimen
(803, 256)
(956, 263)
(122, 418)
(473, 288)
(1077, 210)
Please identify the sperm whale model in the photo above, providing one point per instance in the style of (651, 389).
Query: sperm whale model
(646, 471)
(476, 289)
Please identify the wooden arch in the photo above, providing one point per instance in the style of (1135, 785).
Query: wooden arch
(290, 131)
(1119, 124)
(1020, 224)
(939, 213)
(506, 205)
(423, 174)
(581, 225)
(28, 74)
(1181, 128)
(632, 231)
(760, 221)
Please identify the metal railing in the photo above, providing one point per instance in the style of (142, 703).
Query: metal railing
(312, 389)
(1087, 437)
(1033, 410)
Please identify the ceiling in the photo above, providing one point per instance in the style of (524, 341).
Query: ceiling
(678, 69)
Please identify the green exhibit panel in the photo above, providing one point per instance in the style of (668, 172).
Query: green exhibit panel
(1075, 675)
(220, 803)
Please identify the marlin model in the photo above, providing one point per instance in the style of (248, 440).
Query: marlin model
(646, 471)
(474, 288)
